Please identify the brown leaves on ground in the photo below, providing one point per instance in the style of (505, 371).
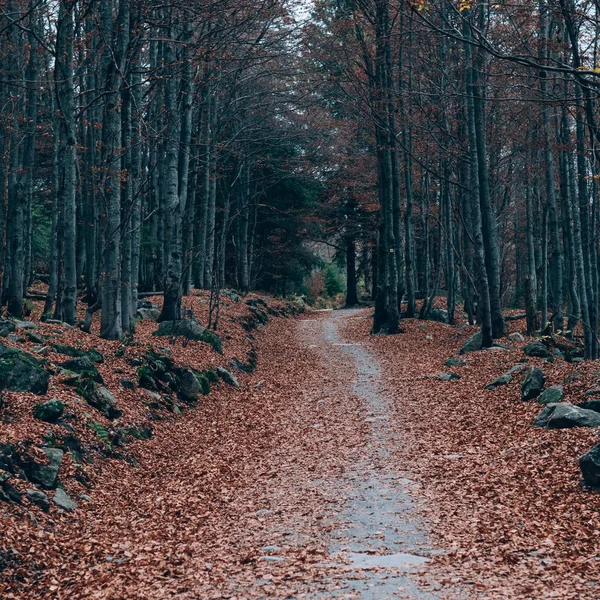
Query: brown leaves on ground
(503, 497)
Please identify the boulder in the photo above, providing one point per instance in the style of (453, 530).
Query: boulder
(148, 314)
(127, 384)
(565, 416)
(45, 475)
(145, 304)
(20, 372)
(504, 379)
(49, 411)
(35, 338)
(552, 395)
(39, 499)
(591, 405)
(92, 353)
(191, 330)
(589, 463)
(64, 501)
(533, 384)
(25, 325)
(448, 376)
(473, 344)
(537, 349)
(6, 327)
(227, 377)
(102, 400)
(439, 315)
(17, 339)
(593, 392)
(83, 365)
(516, 337)
(189, 386)
(454, 361)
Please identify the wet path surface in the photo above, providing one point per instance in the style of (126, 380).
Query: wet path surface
(378, 534)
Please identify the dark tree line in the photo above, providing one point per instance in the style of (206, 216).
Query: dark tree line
(143, 146)
(483, 124)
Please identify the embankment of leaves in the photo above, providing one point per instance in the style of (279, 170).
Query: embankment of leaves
(74, 405)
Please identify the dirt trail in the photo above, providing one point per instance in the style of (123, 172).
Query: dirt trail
(381, 533)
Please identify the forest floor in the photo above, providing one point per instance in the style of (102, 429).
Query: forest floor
(342, 468)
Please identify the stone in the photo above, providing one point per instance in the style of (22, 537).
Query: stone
(593, 404)
(537, 349)
(499, 381)
(454, 361)
(533, 384)
(189, 386)
(516, 337)
(565, 416)
(92, 353)
(148, 314)
(227, 377)
(25, 325)
(145, 304)
(49, 411)
(552, 395)
(16, 339)
(448, 376)
(128, 384)
(191, 330)
(473, 344)
(6, 327)
(20, 372)
(35, 338)
(64, 501)
(439, 315)
(83, 365)
(589, 463)
(103, 400)
(46, 475)
(39, 499)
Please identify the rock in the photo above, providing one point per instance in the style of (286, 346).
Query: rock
(227, 377)
(35, 338)
(190, 330)
(589, 463)
(148, 314)
(49, 411)
(448, 376)
(46, 475)
(20, 372)
(506, 378)
(537, 349)
(6, 327)
(39, 499)
(189, 386)
(105, 402)
(83, 365)
(64, 501)
(16, 339)
(145, 304)
(552, 395)
(593, 404)
(516, 337)
(499, 381)
(473, 344)
(25, 325)
(128, 384)
(454, 361)
(564, 416)
(439, 315)
(533, 384)
(92, 353)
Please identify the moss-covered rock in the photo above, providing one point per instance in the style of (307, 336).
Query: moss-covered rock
(49, 411)
(190, 330)
(20, 372)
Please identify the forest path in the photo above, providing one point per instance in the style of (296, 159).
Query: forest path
(380, 533)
